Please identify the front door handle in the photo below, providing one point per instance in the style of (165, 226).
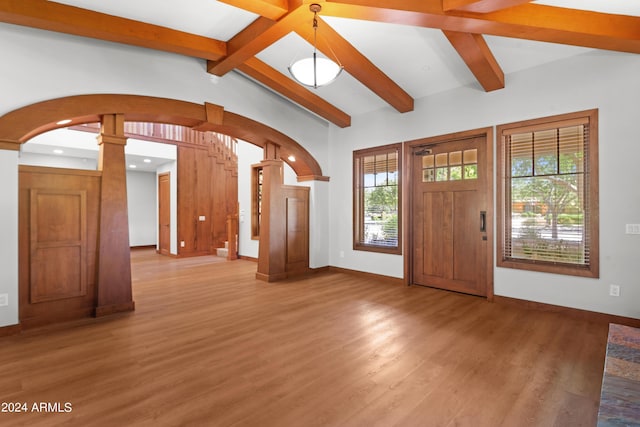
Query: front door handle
(483, 221)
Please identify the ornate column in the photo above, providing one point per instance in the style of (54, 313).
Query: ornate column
(114, 258)
(272, 251)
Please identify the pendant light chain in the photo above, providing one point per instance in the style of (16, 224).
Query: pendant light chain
(315, 49)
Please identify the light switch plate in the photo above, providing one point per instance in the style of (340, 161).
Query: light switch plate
(633, 229)
(4, 300)
(614, 290)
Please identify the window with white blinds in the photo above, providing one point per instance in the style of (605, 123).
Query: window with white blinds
(377, 199)
(548, 174)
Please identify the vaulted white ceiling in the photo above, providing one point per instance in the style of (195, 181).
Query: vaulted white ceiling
(420, 59)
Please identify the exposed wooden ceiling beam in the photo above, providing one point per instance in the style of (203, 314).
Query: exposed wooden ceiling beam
(58, 17)
(480, 6)
(476, 54)
(280, 83)
(527, 21)
(461, 23)
(335, 47)
(272, 9)
(263, 32)
(259, 35)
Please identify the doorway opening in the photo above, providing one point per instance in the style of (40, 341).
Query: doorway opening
(450, 232)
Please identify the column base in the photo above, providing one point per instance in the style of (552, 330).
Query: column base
(106, 310)
(271, 277)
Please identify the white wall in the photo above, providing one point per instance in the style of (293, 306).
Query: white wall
(9, 235)
(319, 231)
(248, 154)
(47, 160)
(604, 80)
(142, 206)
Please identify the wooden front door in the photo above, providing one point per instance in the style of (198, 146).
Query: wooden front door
(164, 214)
(449, 215)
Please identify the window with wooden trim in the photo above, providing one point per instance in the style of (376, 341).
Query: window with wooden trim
(548, 194)
(377, 197)
(256, 201)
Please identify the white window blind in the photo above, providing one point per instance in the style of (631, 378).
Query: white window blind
(377, 178)
(547, 194)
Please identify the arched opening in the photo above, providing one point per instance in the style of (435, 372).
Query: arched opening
(19, 126)
(24, 123)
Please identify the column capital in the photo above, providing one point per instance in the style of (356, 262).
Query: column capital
(111, 139)
(6, 144)
(271, 151)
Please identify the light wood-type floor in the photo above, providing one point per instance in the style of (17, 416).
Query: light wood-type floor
(208, 345)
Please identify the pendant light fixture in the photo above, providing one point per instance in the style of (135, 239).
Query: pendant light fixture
(317, 70)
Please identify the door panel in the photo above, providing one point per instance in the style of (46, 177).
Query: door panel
(465, 236)
(448, 192)
(58, 245)
(164, 214)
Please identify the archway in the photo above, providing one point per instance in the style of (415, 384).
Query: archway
(18, 126)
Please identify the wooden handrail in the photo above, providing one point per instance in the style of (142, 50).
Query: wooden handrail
(232, 237)
(224, 147)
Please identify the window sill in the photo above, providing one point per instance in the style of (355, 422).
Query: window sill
(379, 249)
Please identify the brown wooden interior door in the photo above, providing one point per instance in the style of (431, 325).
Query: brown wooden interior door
(164, 214)
(449, 216)
(297, 228)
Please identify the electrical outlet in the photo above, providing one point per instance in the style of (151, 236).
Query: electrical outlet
(341, 254)
(4, 300)
(182, 243)
(614, 290)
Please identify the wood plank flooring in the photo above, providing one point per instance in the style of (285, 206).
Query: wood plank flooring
(208, 345)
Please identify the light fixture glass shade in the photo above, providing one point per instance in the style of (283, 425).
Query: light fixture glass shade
(315, 71)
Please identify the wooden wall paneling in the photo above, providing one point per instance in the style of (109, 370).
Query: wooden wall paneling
(284, 230)
(56, 300)
(231, 197)
(114, 261)
(202, 202)
(296, 200)
(204, 190)
(232, 233)
(218, 196)
(187, 187)
(271, 250)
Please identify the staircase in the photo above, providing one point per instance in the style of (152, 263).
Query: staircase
(223, 252)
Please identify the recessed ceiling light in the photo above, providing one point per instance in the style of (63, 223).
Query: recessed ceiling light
(58, 151)
(132, 166)
(64, 122)
(292, 158)
(147, 160)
